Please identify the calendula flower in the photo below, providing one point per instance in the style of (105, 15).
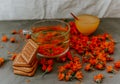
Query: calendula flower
(79, 75)
(61, 76)
(68, 77)
(117, 64)
(50, 62)
(99, 66)
(48, 69)
(61, 69)
(98, 78)
(88, 67)
(110, 69)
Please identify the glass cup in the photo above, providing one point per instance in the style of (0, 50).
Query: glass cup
(52, 36)
(87, 24)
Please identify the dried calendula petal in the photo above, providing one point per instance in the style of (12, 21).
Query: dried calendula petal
(27, 36)
(68, 77)
(1, 61)
(12, 40)
(98, 78)
(13, 32)
(4, 38)
(88, 67)
(61, 76)
(79, 75)
(13, 57)
(110, 69)
(49, 68)
(117, 64)
(61, 69)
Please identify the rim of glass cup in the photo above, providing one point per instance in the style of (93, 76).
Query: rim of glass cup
(68, 26)
(97, 19)
(59, 55)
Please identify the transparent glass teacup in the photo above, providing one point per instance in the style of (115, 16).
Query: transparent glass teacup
(52, 36)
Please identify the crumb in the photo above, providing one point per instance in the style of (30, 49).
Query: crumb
(9, 52)
(27, 80)
(13, 57)
(78, 82)
(110, 76)
(1, 46)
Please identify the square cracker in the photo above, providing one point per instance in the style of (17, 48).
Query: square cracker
(20, 62)
(29, 51)
(26, 69)
(24, 73)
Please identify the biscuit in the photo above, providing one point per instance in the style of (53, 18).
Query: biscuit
(24, 73)
(26, 69)
(20, 62)
(29, 51)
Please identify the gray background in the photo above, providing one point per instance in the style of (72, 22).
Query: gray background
(7, 76)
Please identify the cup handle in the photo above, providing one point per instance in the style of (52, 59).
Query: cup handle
(26, 32)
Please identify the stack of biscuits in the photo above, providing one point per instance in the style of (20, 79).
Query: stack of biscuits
(26, 61)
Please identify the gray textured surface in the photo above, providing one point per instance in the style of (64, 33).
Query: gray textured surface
(111, 26)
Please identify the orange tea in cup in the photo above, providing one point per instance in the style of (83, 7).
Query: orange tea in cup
(87, 24)
(52, 37)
